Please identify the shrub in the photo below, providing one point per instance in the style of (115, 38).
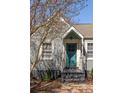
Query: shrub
(47, 77)
(90, 75)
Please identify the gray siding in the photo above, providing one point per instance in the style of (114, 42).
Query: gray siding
(89, 65)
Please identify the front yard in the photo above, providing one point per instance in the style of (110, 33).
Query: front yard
(57, 87)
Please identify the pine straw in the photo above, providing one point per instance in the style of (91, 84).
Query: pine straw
(45, 86)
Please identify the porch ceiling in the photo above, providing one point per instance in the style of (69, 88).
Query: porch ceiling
(72, 35)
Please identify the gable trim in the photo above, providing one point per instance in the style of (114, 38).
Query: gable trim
(75, 30)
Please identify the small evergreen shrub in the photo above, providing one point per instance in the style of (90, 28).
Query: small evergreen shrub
(47, 76)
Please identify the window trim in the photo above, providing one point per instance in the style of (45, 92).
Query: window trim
(47, 54)
(90, 49)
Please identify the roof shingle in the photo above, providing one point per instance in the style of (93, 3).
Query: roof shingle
(85, 29)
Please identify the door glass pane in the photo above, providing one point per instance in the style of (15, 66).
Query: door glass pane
(71, 55)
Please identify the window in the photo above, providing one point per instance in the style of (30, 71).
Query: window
(90, 49)
(47, 51)
(90, 46)
(90, 53)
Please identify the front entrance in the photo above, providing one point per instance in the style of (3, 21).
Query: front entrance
(71, 54)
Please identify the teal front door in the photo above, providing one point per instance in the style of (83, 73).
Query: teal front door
(71, 54)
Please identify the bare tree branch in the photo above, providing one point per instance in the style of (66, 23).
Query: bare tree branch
(44, 13)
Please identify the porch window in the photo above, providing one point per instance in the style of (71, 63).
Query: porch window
(90, 49)
(47, 51)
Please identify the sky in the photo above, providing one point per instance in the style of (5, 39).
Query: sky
(86, 14)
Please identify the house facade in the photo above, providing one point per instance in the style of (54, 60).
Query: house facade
(72, 48)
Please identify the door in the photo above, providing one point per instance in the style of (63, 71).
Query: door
(71, 54)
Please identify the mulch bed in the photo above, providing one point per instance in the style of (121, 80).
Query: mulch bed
(57, 87)
(44, 86)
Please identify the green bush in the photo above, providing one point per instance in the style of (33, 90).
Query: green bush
(47, 76)
(90, 74)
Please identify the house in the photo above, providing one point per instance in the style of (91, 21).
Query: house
(70, 53)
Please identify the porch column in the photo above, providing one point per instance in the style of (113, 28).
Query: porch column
(79, 64)
(82, 56)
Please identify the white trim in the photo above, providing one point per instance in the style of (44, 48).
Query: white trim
(78, 51)
(78, 42)
(72, 29)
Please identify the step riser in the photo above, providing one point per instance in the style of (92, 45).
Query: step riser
(73, 77)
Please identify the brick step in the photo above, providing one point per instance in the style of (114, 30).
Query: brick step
(75, 77)
(69, 76)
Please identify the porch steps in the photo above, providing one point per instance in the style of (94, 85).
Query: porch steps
(72, 75)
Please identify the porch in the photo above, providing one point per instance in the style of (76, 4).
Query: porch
(74, 58)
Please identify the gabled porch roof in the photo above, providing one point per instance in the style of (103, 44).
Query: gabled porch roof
(72, 33)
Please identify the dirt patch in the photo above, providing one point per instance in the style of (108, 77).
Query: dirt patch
(58, 87)
(45, 87)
